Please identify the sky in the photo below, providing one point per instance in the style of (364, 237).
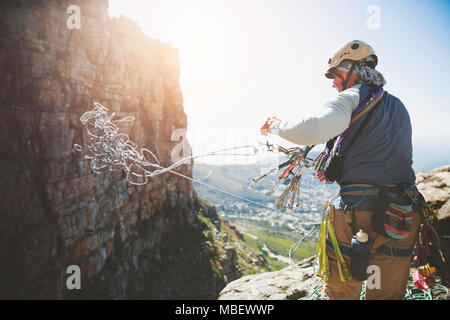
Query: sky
(242, 61)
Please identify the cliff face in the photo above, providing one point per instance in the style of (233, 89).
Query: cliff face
(128, 241)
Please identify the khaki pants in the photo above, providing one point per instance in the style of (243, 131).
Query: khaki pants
(394, 271)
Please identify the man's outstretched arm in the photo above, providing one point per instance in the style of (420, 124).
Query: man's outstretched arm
(330, 122)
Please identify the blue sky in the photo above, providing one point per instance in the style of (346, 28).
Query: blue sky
(242, 61)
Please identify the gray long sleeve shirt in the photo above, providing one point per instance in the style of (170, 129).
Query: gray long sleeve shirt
(382, 154)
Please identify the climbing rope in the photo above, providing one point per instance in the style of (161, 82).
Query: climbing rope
(242, 198)
(297, 245)
(107, 148)
(412, 293)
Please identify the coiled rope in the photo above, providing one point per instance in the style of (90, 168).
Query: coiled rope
(107, 148)
(297, 245)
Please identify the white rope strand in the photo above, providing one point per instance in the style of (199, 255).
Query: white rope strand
(109, 149)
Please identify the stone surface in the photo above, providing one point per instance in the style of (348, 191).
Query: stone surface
(286, 284)
(435, 187)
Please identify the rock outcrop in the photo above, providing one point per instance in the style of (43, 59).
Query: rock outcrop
(435, 187)
(129, 241)
(286, 284)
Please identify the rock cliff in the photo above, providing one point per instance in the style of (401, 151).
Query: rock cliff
(129, 241)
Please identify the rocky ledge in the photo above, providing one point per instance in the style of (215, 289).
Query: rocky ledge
(286, 284)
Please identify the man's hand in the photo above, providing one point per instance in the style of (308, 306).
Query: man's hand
(265, 128)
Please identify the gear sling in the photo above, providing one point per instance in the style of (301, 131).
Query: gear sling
(330, 165)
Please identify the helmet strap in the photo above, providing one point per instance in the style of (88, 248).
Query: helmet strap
(344, 84)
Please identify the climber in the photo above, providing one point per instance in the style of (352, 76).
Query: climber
(377, 156)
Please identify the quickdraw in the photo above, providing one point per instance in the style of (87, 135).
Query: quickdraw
(326, 228)
(291, 176)
(319, 165)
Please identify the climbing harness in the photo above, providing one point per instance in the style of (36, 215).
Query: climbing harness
(393, 214)
(351, 220)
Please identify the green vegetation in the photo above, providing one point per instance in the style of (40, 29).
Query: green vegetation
(278, 242)
(275, 264)
(242, 250)
(252, 243)
(245, 254)
(206, 221)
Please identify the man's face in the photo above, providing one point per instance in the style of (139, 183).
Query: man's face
(339, 77)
